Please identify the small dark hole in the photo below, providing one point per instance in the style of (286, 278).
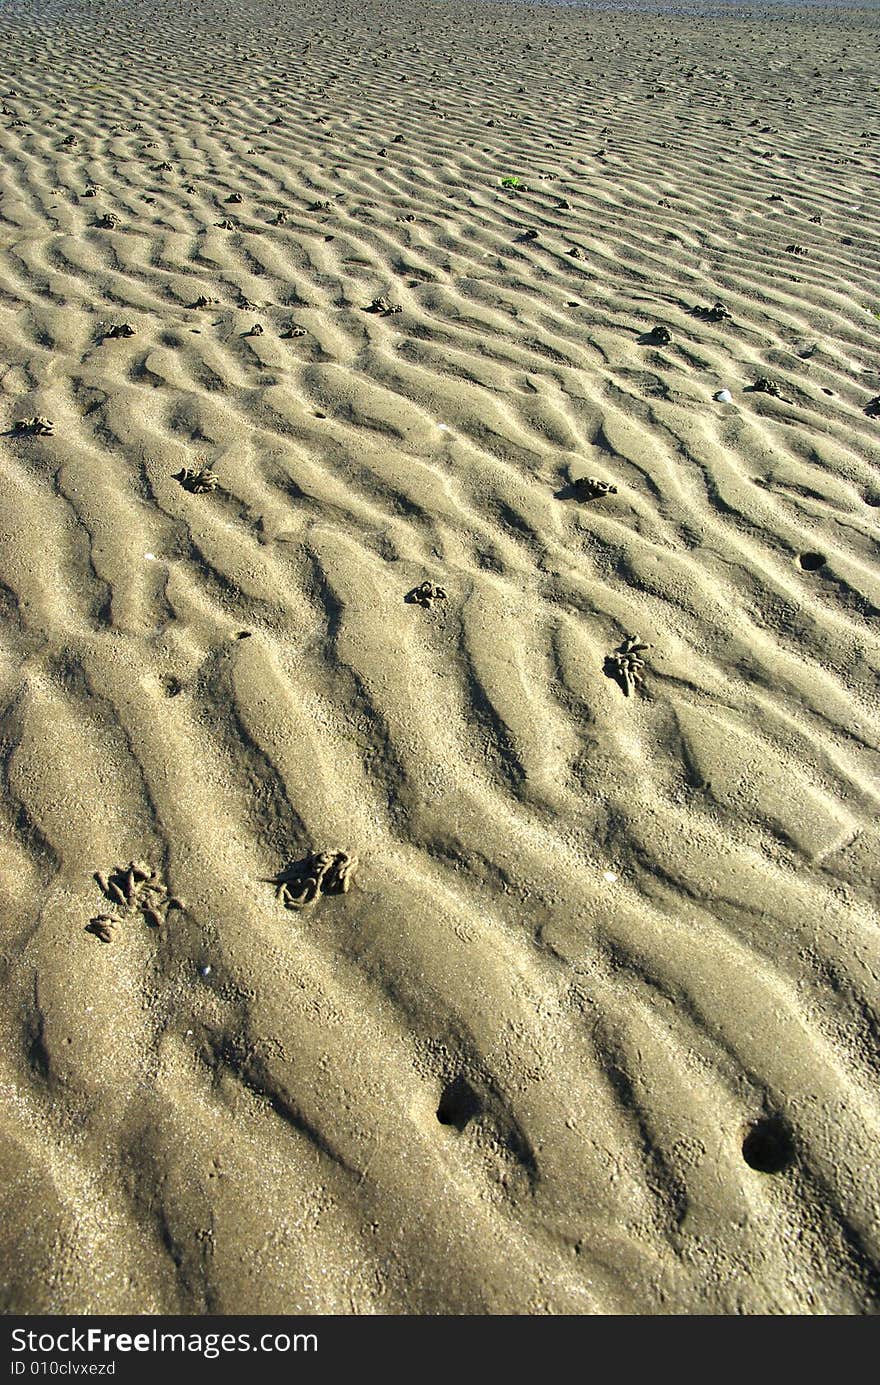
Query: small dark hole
(768, 1146)
(872, 500)
(811, 562)
(458, 1104)
(244, 635)
(172, 686)
(319, 415)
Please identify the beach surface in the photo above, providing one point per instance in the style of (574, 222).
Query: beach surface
(439, 737)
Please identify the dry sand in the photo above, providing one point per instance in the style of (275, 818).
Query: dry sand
(595, 1027)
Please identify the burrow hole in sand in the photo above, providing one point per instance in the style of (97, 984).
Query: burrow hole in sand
(768, 1146)
(459, 1103)
(811, 562)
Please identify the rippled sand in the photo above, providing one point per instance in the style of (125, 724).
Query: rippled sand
(595, 1027)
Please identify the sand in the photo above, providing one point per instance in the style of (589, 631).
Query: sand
(577, 1012)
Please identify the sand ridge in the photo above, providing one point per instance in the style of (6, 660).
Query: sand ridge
(591, 1023)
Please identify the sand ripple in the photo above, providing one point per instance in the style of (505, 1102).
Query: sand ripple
(595, 942)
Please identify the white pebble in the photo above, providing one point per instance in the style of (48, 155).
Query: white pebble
(724, 397)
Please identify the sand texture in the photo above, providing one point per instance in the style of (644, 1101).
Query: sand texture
(439, 838)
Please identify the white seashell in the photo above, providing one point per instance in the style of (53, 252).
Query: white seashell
(724, 397)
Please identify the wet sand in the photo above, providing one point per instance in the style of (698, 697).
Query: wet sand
(511, 948)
